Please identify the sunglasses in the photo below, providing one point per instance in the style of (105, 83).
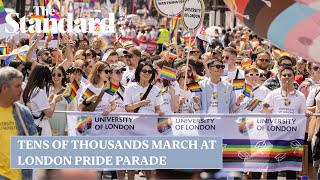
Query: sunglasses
(146, 71)
(238, 63)
(107, 71)
(287, 75)
(315, 68)
(257, 74)
(264, 60)
(225, 57)
(189, 77)
(128, 56)
(88, 54)
(263, 75)
(54, 75)
(218, 66)
(118, 72)
(47, 54)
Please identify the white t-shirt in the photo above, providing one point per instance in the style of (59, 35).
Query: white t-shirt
(186, 108)
(260, 93)
(119, 101)
(133, 93)
(105, 100)
(166, 106)
(233, 75)
(38, 103)
(213, 105)
(293, 104)
(312, 96)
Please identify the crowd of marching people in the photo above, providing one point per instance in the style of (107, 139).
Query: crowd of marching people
(276, 78)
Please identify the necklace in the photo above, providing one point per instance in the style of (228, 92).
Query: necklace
(294, 93)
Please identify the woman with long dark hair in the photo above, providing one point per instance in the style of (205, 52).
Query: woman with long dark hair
(141, 96)
(36, 97)
(169, 90)
(58, 121)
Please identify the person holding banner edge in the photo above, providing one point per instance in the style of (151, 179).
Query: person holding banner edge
(285, 100)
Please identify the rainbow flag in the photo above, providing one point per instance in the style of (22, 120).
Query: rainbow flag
(69, 94)
(253, 104)
(246, 63)
(165, 44)
(261, 154)
(74, 85)
(3, 50)
(194, 87)
(196, 78)
(106, 86)
(85, 81)
(238, 84)
(165, 89)
(88, 93)
(248, 90)
(41, 18)
(168, 73)
(113, 89)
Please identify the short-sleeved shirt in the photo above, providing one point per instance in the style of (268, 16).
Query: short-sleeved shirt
(134, 92)
(105, 100)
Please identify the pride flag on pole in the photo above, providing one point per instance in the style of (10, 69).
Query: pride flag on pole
(168, 73)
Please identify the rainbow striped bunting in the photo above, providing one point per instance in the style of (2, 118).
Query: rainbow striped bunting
(168, 73)
(113, 89)
(194, 87)
(238, 84)
(253, 104)
(248, 90)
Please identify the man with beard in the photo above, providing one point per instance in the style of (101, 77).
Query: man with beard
(134, 56)
(263, 61)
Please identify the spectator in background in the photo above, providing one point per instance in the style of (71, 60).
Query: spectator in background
(96, 46)
(163, 35)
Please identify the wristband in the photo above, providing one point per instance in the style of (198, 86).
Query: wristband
(85, 103)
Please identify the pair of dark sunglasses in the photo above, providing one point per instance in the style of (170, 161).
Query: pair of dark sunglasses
(146, 71)
(218, 66)
(118, 72)
(58, 74)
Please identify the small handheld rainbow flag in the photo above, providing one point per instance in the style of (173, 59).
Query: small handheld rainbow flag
(106, 86)
(238, 84)
(253, 104)
(163, 91)
(194, 87)
(85, 81)
(74, 86)
(168, 73)
(69, 94)
(246, 63)
(113, 89)
(248, 90)
(165, 44)
(87, 94)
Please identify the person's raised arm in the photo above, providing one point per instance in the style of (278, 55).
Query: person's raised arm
(67, 63)
(33, 47)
